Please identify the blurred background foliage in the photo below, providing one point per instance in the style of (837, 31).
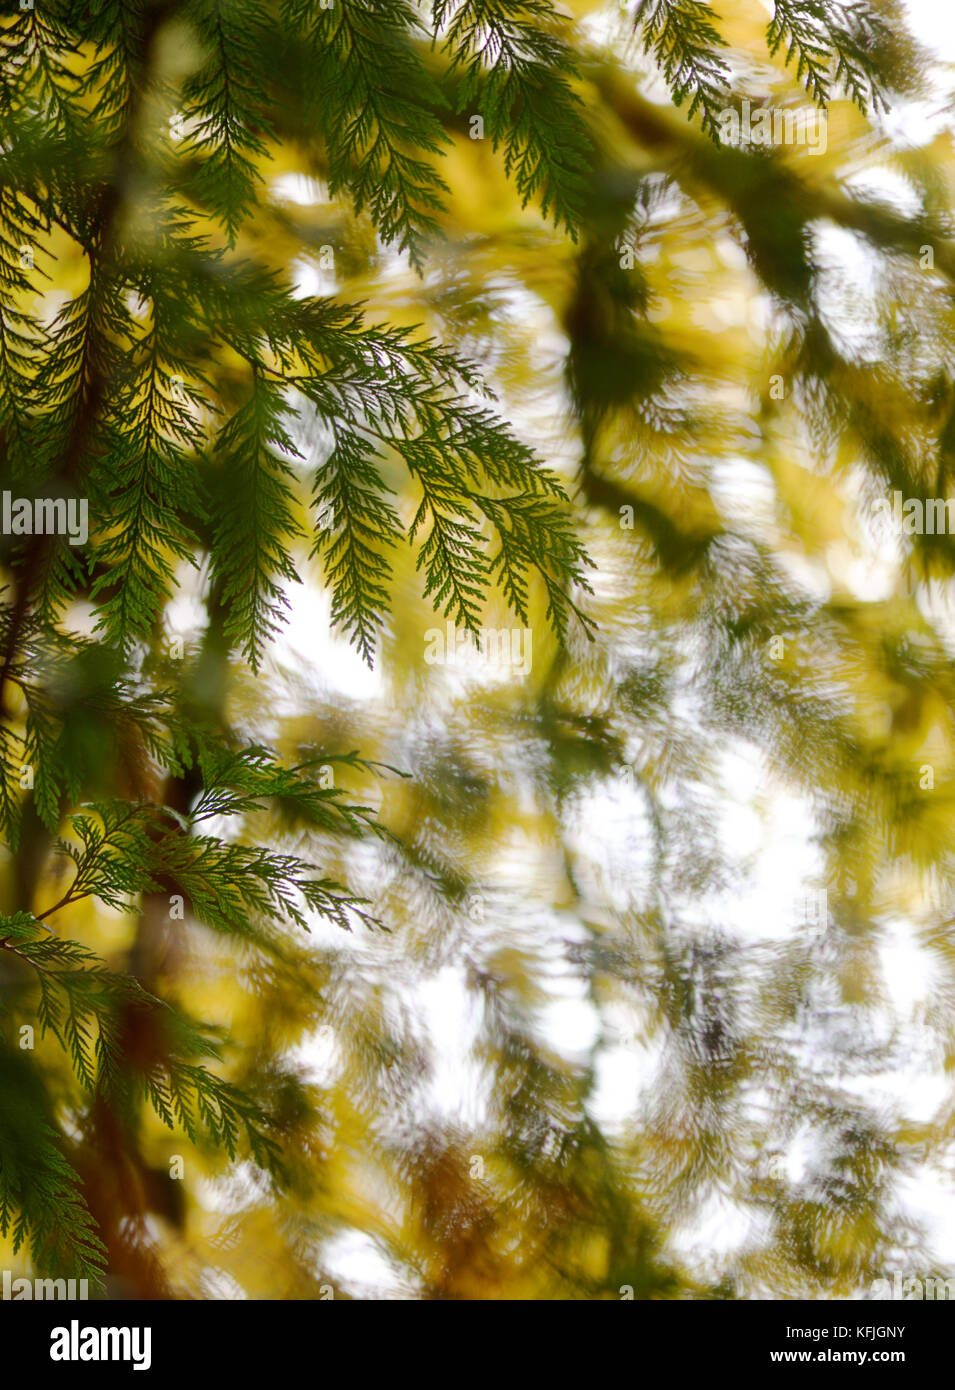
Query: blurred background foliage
(573, 1065)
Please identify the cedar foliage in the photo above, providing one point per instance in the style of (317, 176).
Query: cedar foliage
(113, 399)
(117, 394)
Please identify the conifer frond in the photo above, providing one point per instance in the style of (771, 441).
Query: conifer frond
(831, 45)
(149, 488)
(514, 70)
(236, 782)
(533, 538)
(411, 396)
(20, 342)
(375, 104)
(225, 109)
(84, 1006)
(109, 79)
(356, 524)
(452, 557)
(164, 381)
(683, 38)
(255, 521)
(232, 887)
(36, 70)
(126, 849)
(41, 1203)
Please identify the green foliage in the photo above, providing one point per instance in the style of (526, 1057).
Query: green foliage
(831, 45)
(374, 102)
(514, 69)
(40, 1202)
(117, 396)
(225, 105)
(117, 381)
(682, 37)
(85, 1007)
(155, 363)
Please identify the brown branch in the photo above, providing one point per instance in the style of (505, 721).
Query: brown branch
(6, 946)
